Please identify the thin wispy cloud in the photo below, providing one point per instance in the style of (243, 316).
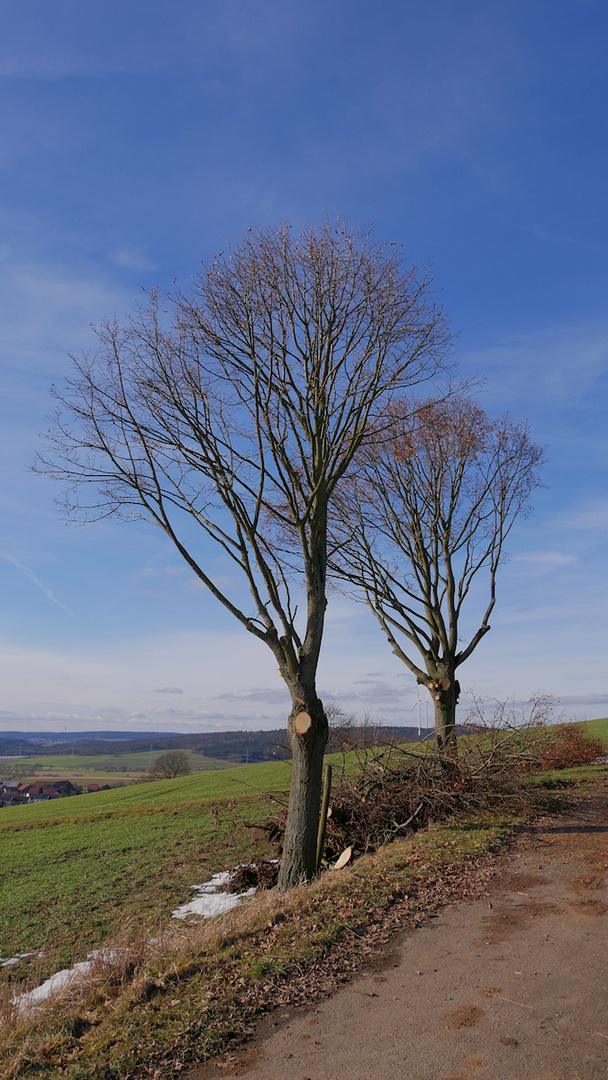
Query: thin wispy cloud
(45, 311)
(35, 581)
(541, 561)
(559, 362)
(266, 696)
(588, 519)
(132, 260)
(584, 699)
(569, 241)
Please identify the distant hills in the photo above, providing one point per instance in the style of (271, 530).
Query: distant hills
(237, 746)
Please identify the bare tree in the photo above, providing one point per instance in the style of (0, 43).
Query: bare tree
(238, 408)
(170, 764)
(430, 507)
(347, 731)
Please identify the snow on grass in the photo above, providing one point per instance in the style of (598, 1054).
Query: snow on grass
(57, 982)
(212, 899)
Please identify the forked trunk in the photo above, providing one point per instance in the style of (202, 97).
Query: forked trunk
(308, 733)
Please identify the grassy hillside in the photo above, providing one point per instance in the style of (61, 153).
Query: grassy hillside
(94, 862)
(598, 729)
(81, 870)
(174, 1002)
(83, 768)
(75, 869)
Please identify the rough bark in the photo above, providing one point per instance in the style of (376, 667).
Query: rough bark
(327, 776)
(298, 862)
(308, 728)
(444, 702)
(444, 689)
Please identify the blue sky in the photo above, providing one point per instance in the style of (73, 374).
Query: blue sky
(135, 139)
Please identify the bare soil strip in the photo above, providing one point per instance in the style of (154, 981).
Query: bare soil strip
(511, 985)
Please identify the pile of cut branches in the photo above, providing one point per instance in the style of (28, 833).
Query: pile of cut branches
(391, 790)
(396, 790)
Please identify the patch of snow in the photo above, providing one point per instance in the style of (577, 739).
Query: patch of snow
(212, 899)
(25, 1002)
(51, 986)
(18, 957)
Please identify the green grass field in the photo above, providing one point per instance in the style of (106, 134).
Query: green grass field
(77, 868)
(82, 870)
(598, 729)
(80, 768)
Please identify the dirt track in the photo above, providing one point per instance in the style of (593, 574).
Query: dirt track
(513, 986)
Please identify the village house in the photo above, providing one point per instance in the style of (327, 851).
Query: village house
(10, 794)
(13, 793)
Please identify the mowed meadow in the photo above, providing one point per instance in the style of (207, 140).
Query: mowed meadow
(76, 871)
(115, 769)
(111, 867)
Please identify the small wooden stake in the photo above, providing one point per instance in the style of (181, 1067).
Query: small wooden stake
(325, 811)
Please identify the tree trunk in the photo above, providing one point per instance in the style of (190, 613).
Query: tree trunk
(444, 689)
(308, 733)
(445, 720)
